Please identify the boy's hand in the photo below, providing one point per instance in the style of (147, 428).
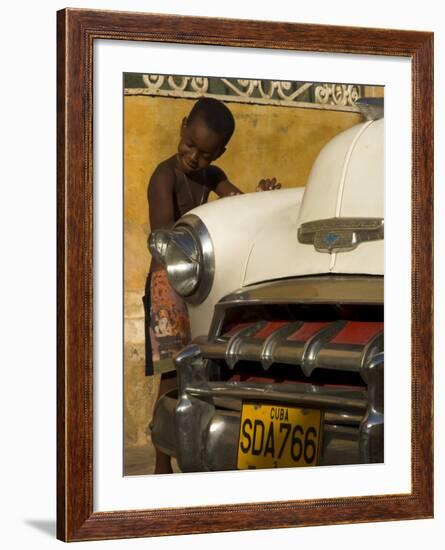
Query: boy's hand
(268, 185)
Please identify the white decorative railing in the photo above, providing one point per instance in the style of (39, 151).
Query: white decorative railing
(245, 88)
(154, 83)
(337, 94)
(273, 92)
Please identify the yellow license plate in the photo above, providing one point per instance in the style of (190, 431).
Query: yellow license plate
(273, 436)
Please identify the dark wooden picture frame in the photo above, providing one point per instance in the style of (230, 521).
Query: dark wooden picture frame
(77, 31)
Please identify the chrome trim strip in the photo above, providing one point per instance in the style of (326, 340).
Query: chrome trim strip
(272, 342)
(371, 431)
(232, 406)
(346, 358)
(313, 346)
(190, 412)
(347, 419)
(324, 289)
(233, 349)
(215, 349)
(372, 349)
(271, 393)
(207, 271)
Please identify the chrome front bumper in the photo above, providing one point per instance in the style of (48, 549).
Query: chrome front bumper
(200, 427)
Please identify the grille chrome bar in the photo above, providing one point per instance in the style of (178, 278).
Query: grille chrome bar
(321, 399)
(240, 345)
(231, 405)
(274, 343)
(339, 345)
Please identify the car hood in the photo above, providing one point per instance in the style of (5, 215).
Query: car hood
(346, 181)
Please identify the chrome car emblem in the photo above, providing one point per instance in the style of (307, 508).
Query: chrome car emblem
(340, 234)
(330, 239)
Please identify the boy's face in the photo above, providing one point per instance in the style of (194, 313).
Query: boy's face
(198, 145)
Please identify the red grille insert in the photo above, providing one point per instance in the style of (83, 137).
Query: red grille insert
(306, 331)
(236, 328)
(269, 328)
(357, 332)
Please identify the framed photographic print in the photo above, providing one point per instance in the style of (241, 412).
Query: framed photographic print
(247, 340)
(274, 136)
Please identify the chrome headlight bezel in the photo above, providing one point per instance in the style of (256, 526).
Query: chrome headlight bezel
(186, 251)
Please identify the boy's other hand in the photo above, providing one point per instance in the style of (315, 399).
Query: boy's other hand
(268, 184)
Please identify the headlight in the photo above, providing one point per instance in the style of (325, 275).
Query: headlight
(186, 251)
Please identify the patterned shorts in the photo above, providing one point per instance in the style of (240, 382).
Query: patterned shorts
(167, 327)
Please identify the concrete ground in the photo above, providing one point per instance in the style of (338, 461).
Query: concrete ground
(140, 461)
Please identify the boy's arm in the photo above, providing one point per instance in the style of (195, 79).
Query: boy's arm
(160, 199)
(226, 188)
(160, 204)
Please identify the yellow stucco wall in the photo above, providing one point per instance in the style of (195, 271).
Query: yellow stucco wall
(373, 91)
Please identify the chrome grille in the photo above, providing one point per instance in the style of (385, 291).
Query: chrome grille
(338, 345)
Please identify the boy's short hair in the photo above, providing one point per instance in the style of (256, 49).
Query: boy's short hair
(216, 116)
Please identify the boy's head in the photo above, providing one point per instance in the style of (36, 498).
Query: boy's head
(204, 134)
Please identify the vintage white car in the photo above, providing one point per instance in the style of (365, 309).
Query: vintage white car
(285, 296)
